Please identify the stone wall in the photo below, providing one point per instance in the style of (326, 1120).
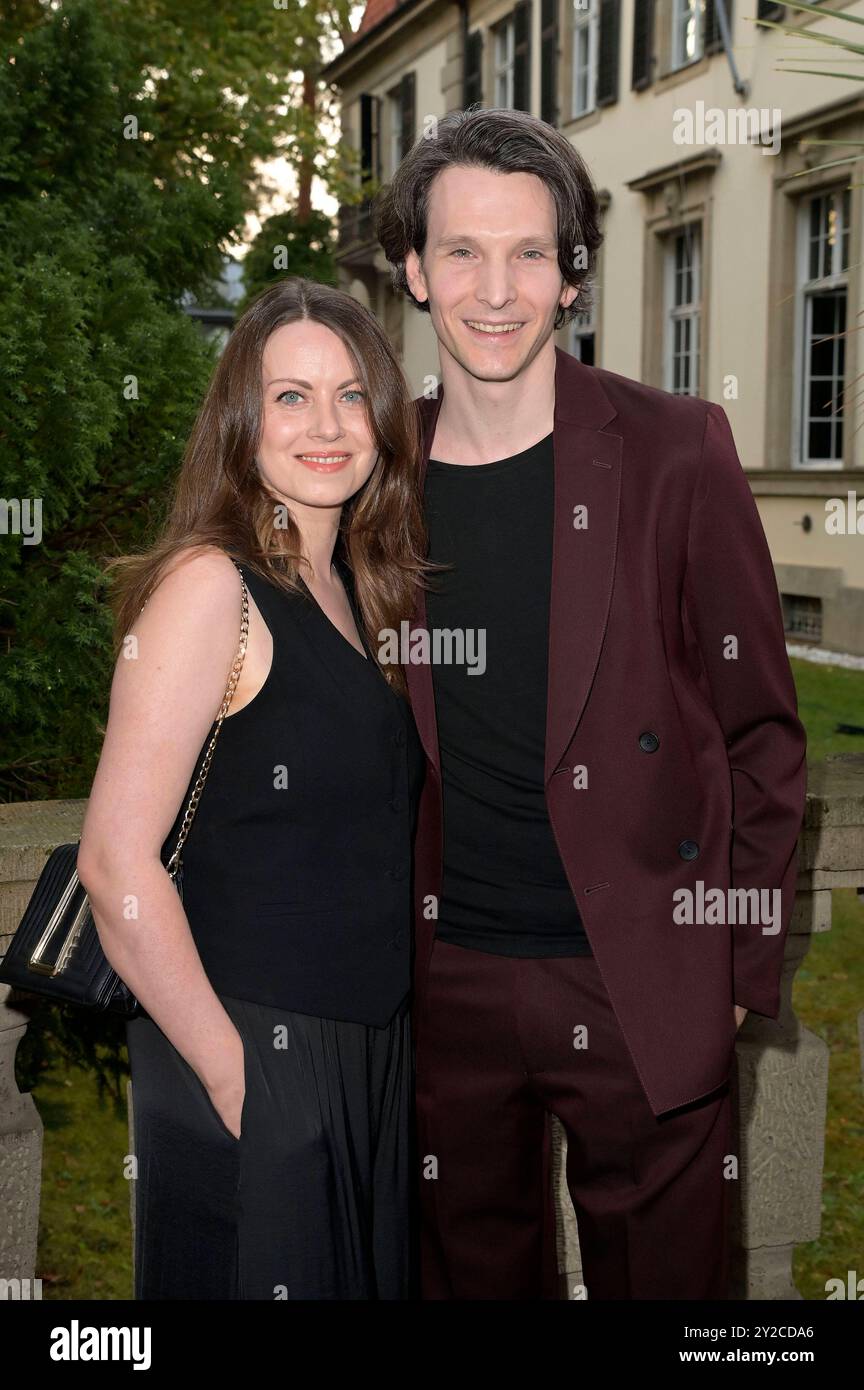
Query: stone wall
(780, 1081)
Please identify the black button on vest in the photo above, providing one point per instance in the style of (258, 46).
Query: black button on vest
(688, 849)
(648, 742)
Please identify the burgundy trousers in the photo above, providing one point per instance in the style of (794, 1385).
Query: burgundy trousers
(506, 1043)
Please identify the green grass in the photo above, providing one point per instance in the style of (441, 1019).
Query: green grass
(827, 696)
(827, 998)
(84, 1234)
(84, 1228)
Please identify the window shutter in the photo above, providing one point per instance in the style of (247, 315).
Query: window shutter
(473, 69)
(768, 9)
(522, 56)
(549, 61)
(711, 32)
(407, 97)
(643, 45)
(609, 46)
(368, 161)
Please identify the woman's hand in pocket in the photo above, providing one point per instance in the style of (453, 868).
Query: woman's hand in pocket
(228, 1092)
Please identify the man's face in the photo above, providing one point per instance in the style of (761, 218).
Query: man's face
(490, 259)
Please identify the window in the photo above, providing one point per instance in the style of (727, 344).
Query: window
(370, 147)
(643, 45)
(671, 35)
(394, 123)
(585, 15)
(505, 51)
(549, 61)
(802, 616)
(683, 310)
(581, 342)
(473, 90)
(769, 9)
(400, 121)
(686, 32)
(512, 59)
(823, 260)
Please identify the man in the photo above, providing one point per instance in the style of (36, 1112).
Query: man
(626, 759)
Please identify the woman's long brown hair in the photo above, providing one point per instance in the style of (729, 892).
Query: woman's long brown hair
(221, 499)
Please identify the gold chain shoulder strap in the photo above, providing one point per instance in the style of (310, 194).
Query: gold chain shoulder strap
(208, 756)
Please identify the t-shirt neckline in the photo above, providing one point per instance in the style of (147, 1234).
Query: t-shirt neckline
(508, 462)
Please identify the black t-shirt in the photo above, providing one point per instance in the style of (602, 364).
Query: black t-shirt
(504, 887)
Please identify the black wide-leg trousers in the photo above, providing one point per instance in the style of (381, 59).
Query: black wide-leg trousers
(313, 1200)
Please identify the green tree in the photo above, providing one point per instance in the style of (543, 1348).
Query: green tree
(132, 137)
(287, 245)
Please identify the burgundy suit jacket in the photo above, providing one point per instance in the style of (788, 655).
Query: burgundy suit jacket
(664, 621)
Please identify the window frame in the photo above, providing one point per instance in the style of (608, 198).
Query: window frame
(505, 28)
(587, 18)
(675, 313)
(806, 290)
(682, 11)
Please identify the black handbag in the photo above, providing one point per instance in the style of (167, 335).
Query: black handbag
(56, 951)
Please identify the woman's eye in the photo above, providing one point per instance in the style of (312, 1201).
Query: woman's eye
(291, 392)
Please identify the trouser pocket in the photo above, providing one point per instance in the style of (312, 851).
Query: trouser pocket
(214, 1113)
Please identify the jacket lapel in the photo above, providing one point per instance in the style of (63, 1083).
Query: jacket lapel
(584, 545)
(419, 677)
(587, 478)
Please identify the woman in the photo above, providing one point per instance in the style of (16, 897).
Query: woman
(271, 1068)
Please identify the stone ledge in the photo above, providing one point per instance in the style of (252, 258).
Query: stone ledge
(30, 830)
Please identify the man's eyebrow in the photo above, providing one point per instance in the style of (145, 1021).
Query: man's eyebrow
(457, 239)
(309, 387)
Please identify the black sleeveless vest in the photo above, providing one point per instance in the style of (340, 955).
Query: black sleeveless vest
(297, 867)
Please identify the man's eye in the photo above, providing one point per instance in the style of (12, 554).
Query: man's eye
(460, 249)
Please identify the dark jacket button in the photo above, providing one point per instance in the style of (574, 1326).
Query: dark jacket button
(397, 803)
(400, 737)
(648, 742)
(688, 849)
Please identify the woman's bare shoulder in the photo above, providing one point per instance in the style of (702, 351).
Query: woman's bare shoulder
(201, 566)
(198, 580)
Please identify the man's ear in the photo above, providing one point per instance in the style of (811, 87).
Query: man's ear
(414, 276)
(570, 295)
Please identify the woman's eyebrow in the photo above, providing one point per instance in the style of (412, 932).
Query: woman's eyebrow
(308, 384)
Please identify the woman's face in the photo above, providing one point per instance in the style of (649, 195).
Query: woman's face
(316, 449)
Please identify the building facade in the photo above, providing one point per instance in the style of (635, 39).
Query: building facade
(731, 262)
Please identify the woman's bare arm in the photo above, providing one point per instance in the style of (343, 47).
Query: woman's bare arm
(165, 695)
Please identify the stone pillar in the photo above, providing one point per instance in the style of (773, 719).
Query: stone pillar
(782, 1073)
(569, 1257)
(28, 832)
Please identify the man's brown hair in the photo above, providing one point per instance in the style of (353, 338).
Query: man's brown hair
(509, 142)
